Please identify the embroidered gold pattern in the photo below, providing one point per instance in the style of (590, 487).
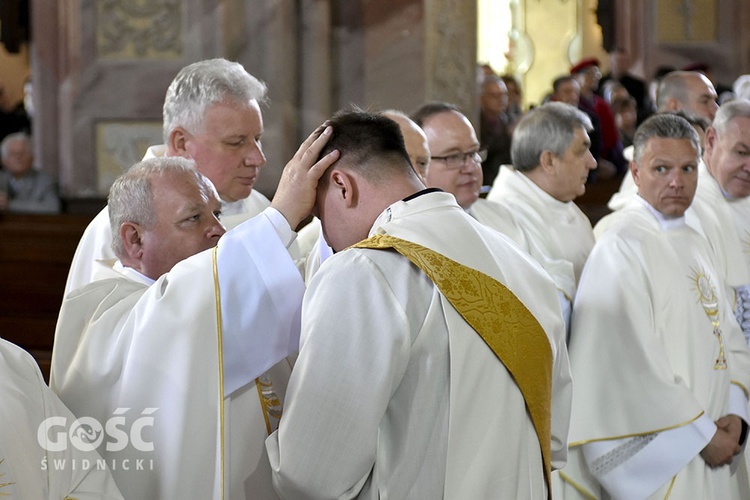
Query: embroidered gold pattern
(710, 304)
(269, 402)
(501, 319)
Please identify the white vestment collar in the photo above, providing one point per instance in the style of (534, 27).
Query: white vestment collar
(132, 274)
(666, 223)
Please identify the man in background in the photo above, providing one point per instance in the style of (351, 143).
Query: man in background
(211, 115)
(22, 187)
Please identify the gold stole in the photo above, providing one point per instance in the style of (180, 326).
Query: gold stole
(269, 402)
(503, 322)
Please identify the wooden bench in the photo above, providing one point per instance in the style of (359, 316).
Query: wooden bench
(35, 256)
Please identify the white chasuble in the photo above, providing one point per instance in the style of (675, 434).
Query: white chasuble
(726, 223)
(656, 357)
(559, 229)
(125, 348)
(96, 241)
(394, 394)
(38, 460)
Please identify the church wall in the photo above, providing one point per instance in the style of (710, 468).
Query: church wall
(99, 87)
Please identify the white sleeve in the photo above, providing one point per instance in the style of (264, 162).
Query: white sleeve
(260, 286)
(637, 467)
(340, 386)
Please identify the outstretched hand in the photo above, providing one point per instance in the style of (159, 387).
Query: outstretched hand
(295, 195)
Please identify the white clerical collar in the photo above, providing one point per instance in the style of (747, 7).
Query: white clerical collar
(132, 274)
(232, 207)
(544, 195)
(666, 223)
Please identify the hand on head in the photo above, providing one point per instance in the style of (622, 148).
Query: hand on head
(295, 195)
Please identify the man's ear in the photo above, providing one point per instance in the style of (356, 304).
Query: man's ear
(710, 139)
(177, 143)
(130, 234)
(672, 104)
(636, 173)
(344, 185)
(547, 161)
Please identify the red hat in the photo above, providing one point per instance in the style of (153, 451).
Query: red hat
(700, 67)
(583, 64)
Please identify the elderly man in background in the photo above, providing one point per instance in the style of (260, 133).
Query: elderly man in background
(722, 202)
(455, 169)
(687, 91)
(551, 163)
(494, 127)
(394, 391)
(212, 116)
(23, 188)
(654, 347)
(191, 335)
(415, 141)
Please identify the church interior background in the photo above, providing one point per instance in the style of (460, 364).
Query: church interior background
(100, 70)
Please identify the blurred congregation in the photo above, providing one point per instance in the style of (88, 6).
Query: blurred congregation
(396, 249)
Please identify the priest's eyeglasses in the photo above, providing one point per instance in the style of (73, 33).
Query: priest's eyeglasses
(458, 160)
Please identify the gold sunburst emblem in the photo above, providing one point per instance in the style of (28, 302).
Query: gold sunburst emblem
(709, 301)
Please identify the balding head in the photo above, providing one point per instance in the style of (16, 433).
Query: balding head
(414, 140)
(688, 91)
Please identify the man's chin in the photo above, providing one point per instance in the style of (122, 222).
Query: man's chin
(237, 195)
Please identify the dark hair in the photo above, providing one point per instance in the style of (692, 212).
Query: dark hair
(422, 113)
(557, 82)
(369, 143)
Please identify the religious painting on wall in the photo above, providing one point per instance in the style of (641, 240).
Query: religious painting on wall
(120, 145)
(684, 21)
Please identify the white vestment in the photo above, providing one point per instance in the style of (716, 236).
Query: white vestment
(500, 218)
(39, 461)
(96, 242)
(657, 357)
(726, 221)
(628, 189)
(558, 229)
(121, 344)
(394, 395)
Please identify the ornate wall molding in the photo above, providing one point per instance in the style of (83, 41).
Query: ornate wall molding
(139, 29)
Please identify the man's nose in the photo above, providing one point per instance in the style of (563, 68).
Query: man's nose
(253, 155)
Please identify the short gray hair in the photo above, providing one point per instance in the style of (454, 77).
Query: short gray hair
(202, 84)
(16, 136)
(666, 126)
(549, 127)
(737, 108)
(131, 198)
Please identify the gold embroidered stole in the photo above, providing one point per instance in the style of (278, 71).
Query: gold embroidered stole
(503, 322)
(220, 347)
